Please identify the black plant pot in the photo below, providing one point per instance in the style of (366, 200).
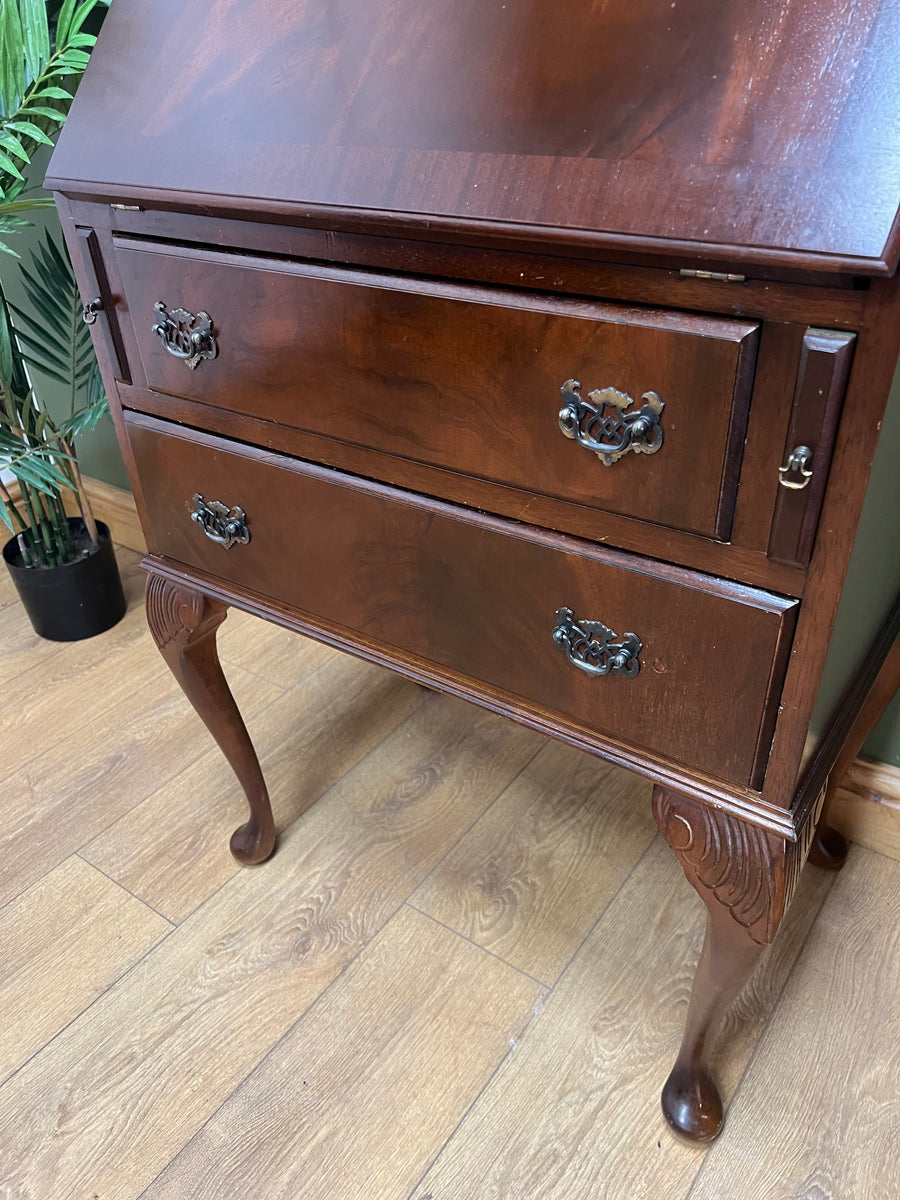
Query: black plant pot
(76, 600)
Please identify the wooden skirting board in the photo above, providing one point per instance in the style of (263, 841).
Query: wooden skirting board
(866, 808)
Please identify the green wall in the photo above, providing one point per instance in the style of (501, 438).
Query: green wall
(873, 582)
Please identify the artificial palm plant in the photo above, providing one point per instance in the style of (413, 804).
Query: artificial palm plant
(45, 49)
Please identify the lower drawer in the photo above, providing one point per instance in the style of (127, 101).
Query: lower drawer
(481, 597)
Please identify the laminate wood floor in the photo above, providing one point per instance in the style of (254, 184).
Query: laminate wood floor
(462, 976)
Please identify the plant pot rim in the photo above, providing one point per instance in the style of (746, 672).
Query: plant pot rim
(14, 559)
(75, 600)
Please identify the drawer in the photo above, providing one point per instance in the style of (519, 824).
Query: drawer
(479, 597)
(464, 378)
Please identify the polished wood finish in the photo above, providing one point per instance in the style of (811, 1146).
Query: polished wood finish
(451, 202)
(462, 592)
(637, 132)
(184, 623)
(466, 379)
(528, 506)
(91, 263)
(746, 878)
(821, 381)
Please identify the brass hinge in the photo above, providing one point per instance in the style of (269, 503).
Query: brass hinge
(718, 276)
(127, 207)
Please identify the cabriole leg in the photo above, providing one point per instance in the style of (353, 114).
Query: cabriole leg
(184, 623)
(746, 877)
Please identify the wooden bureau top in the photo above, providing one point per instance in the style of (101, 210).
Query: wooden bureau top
(753, 131)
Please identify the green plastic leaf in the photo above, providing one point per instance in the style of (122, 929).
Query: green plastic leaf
(79, 18)
(7, 164)
(40, 473)
(64, 21)
(30, 130)
(36, 35)
(13, 146)
(12, 57)
(51, 93)
(72, 58)
(42, 110)
(88, 418)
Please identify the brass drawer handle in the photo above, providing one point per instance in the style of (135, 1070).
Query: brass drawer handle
(798, 461)
(185, 336)
(221, 524)
(604, 427)
(591, 647)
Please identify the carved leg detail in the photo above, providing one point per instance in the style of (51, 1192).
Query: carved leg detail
(746, 877)
(184, 623)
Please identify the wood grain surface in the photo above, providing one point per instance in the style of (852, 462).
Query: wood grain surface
(460, 590)
(588, 1073)
(272, 653)
(197, 1015)
(401, 1044)
(126, 731)
(605, 127)
(65, 941)
(308, 739)
(463, 378)
(566, 821)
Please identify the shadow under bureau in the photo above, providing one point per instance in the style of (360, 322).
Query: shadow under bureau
(537, 353)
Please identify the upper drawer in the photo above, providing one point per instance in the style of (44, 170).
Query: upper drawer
(461, 377)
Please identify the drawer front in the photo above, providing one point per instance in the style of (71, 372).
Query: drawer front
(460, 377)
(479, 596)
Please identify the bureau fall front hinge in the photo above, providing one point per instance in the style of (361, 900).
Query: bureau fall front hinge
(718, 276)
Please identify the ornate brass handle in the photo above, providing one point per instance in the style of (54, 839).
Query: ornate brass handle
(604, 427)
(591, 646)
(185, 336)
(798, 461)
(220, 523)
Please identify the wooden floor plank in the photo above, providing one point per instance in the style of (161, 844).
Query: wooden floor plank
(575, 1112)
(106, 765)
(818, 1115)
(172, 850)
(104, 672)
(529, 881)
(367, 1087)
(64, 941)
(277, 654)
(119, 1092)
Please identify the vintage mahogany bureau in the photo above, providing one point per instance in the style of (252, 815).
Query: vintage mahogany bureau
(536, 351)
